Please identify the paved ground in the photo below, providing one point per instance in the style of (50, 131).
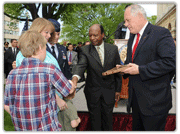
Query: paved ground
(80, 101)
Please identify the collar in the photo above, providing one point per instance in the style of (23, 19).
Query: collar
(101, 46)
(49, 45)
(30, 61)
(142, 30)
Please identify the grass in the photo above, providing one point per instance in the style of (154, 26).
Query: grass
(8, 125)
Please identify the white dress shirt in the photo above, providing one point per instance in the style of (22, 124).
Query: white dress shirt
(55, 48)
(141, 33)
(102, 53)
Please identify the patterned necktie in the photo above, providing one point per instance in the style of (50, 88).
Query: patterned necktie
(70, 57)
(53, 52)
(100, 56)
(135, 46)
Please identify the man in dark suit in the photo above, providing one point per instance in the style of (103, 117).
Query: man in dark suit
(59, 51)
(72, 57)
(100, 91)
(151, 58)
(10, 55)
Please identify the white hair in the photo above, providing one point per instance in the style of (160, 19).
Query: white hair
(135, 9)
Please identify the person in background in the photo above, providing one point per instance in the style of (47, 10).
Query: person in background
(64, 45)
(6, 46)
(58, 51)
(151, 61)
(87, 43)
(29, 98)
(100, 91)
(10, 55)
(5, 63)
(72, 57)
(74, 47)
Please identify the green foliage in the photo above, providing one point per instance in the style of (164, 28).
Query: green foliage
(15, 10)
(76, 28)
(152, 19)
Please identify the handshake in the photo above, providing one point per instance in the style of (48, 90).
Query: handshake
(73, 88)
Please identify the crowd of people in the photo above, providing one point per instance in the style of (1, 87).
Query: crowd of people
(42, 76)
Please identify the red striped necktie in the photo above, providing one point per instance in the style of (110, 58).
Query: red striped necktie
(135, 46)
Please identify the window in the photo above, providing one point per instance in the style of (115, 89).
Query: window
(169, 26)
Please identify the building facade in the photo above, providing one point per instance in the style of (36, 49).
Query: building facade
(166, 17)
(11, 29)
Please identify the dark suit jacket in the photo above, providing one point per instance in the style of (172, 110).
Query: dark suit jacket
(155, 55)
(63, 63)
(9, 57)
(96, 84)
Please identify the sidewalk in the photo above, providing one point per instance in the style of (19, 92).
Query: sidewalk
(80, 101)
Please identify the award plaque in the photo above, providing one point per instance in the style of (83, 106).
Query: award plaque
(115, 70)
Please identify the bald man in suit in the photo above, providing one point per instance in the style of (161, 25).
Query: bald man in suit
(151, 61)
(100, 91)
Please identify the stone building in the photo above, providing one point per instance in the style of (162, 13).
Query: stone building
(166, 17)
(11, 29)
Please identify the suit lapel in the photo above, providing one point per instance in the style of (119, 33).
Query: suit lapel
(95, 54)
(130, 43)
(48, 49)
(143, 38)
(73, 55)
(60, 53)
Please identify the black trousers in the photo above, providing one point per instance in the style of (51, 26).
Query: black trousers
(101, 115)
(146, 123)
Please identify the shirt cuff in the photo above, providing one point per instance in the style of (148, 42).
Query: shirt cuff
(77, 77)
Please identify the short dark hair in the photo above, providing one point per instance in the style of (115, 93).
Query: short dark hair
(102, 29)
(13, 40)
(6, 43)
(69, 44)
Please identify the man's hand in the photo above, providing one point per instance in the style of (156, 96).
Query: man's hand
(75, 80)
(132, 70)
(14, 64)
(70, 63)
(118, 66)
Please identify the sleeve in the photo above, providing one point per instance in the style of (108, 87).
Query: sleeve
(6, 97)
(19, 59)
(81, 65)
(60, 82)
(75, 60)
(165, 48)
(6, 93)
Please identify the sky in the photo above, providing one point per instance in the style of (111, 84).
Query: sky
(151, 9)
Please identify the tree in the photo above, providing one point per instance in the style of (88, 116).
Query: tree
(108, 15)
(49, 10)
(152, 19)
